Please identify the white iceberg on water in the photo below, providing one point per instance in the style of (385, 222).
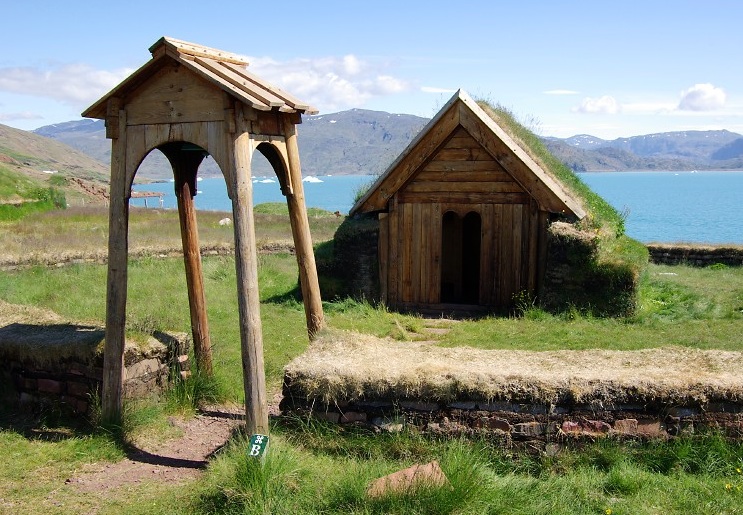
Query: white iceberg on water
(310, 178)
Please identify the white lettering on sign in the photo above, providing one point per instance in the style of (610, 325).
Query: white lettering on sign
(258, 445)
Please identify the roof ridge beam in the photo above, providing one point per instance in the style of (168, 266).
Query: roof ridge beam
(184, 47)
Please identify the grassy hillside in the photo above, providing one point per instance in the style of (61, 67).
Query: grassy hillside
(26, 163)
(37, 153)
(21, 195)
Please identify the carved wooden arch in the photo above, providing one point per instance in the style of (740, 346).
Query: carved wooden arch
(143, 139)
(231, 143)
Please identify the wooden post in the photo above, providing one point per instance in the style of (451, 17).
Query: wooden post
(202, 346)
(118, 249)
(302, 238)
(248, 301)
(185, 165)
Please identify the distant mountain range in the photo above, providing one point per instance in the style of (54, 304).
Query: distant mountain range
(352, 142)
(686, 150)
(360, 141)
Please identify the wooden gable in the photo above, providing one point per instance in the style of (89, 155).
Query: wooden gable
(462, 171)
(174, 94)
(225, 71)
(462, 140)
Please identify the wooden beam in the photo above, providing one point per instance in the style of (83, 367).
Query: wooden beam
(118, 249)
(232, 77)
(302, 238)
(463, 187)
(383, 254)
(248, 301)
(464, 197)
(185, 165)
(113, 106)
(192, 49)
(462, 175)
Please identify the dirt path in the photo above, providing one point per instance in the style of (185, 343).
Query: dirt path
(175, 460)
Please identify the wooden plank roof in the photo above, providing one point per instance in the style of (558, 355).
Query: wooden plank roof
(462, 111)
(225, 70)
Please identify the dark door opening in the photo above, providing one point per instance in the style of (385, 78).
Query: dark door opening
(460, 258)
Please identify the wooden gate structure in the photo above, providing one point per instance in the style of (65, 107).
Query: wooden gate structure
(190, 101)
(463, 215)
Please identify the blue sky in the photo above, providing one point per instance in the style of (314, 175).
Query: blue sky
(609, 69)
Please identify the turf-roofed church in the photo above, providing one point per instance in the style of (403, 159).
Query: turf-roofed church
(463, 216)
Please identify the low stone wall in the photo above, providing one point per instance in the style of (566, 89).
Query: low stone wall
(576, 278)
(74, 383)
(702, 255)
(354, 266)
(512, 423)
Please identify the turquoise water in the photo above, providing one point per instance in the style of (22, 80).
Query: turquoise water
(694, 207)
(334, 193)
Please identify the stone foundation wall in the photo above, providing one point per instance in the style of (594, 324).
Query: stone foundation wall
(75, 384)
(575, 278)
(702, 255)
(512, 423)
(355, 262)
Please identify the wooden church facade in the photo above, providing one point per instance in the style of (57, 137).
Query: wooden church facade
(463, 215)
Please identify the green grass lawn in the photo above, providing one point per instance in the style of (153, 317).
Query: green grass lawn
(314, 468)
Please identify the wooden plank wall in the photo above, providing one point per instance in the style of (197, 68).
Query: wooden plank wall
(463, 178)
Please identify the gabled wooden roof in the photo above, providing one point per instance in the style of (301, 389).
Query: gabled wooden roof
(225, 70)
(462, 111)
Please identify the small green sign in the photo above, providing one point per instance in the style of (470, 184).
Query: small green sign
(258, 445)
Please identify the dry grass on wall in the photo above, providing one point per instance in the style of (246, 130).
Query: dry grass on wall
(349, 366)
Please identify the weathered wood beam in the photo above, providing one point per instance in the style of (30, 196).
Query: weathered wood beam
(185, 164)
(118, 249)
(302, 238)
(246, 265)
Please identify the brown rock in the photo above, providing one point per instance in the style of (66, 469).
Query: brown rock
(327, 416)
(352, 416)
(183, 362)
(596, 426)
(529, 429)
(499, 424)
(626, 426)
(570, 426)
(49, 386)
(650, 427)
(408, 480)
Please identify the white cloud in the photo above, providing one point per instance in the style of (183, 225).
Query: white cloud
(351, 64)
(22, 115)
(602, 105)
(560, 92)
(329, 83)
(387, 84)
(75, 84)
(702, 97)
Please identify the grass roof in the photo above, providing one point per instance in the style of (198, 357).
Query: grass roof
(345, 366)
(602, 218)
(600, 213)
